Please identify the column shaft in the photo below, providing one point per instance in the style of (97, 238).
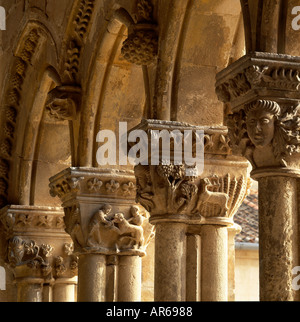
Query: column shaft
(129, 278)
(64, 290)
(30, 290)
(193, 268)
(91, 278)
(278, 237)
(170, 262)
(214, 263)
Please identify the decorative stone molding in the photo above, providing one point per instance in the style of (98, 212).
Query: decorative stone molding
(24, 57)
(141, 46)
(101, 215)
(35, 239)
(28, 252)
(76, 40)
(258, 75)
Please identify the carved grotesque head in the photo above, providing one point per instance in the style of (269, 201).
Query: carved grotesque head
(261, 116)
(15, 251)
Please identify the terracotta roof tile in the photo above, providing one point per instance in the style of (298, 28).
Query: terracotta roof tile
(247, 218)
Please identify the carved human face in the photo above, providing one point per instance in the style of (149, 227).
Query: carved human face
(260, 127)
(15, 251)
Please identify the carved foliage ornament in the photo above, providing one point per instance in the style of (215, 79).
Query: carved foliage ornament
(40, 258)
(165, 189)
(71, 185)
(67, 264)
(22, 252)
(81, 23)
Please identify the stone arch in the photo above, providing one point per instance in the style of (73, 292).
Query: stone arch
(34, 47)
(176, 65)
(114, 90)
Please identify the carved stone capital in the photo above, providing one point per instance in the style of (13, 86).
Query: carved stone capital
(34, 237)
(262, 91)
(101, 215)
(170, 193)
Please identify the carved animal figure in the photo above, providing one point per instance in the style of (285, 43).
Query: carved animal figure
(216, 198)
(125, 229)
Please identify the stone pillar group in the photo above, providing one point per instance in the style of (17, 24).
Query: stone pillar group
(261, 90)
(191, 212)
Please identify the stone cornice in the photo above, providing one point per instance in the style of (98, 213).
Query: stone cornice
(107, 183)
(259, 75)
(28, 220)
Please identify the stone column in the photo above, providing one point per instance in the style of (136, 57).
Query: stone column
(129, 278)
(170, 264)
(64, 289)
(232, 232)
(35, 239)
(91, 278)
(104, 221)
(261, 90)
(29, 289)
(184, 204)
(214, 269)
(278, 243)
(193, 266)
(165, 190)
